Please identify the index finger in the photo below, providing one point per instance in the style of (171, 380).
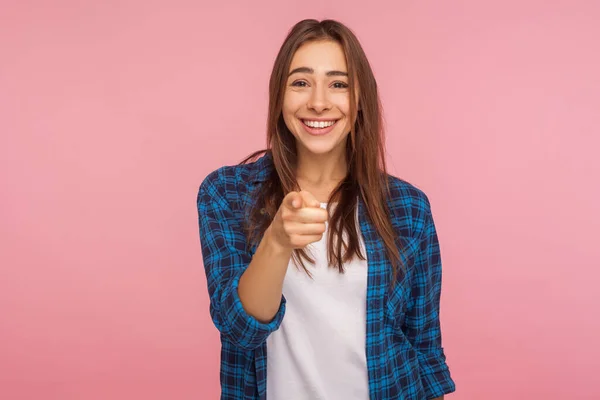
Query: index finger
(309, 200)
(293, 200)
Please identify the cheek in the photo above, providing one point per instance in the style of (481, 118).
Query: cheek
(288, 116)
(343, 104)
(289, 108)
(289, 119)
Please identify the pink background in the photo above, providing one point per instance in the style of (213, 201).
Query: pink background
(111, 114)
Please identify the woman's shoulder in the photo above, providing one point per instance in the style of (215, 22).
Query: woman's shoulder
(403, 193)
(236, 177)
(409, 206)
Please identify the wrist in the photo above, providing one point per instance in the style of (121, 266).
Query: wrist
(273, 246)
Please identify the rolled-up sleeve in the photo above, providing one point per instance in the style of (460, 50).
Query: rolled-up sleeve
(422, 321)
(225, 258)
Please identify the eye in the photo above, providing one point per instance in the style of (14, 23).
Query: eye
(299, 84)
(340, 85)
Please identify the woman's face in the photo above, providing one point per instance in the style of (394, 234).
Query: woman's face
(316, 104)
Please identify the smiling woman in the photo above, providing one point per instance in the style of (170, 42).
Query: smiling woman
(324, 271)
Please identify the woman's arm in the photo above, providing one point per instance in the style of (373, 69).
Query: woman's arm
(226, 257)
(299, 221)
(261, 284)
(246, 310)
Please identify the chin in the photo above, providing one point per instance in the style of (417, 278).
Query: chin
(318, 148)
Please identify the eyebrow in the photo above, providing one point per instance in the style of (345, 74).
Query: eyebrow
(312, 71)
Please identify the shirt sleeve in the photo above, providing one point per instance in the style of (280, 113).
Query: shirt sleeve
(423, 319)
(225, 258)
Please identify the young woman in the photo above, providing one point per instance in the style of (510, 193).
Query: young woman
(324, 272)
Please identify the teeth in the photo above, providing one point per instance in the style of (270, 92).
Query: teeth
(319, 124)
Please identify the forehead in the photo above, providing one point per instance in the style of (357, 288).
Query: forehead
(322, 55)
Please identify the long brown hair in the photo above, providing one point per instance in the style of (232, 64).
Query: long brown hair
(366, 176)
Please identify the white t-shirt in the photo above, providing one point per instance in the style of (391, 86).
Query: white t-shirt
(318, 353)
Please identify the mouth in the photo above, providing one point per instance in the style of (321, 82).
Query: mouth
(318, 127)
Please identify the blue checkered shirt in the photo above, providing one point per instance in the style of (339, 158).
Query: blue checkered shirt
(405, 359)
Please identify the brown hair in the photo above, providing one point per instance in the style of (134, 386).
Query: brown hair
(366, 177)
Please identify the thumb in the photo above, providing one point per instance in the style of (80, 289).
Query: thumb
(309, 200)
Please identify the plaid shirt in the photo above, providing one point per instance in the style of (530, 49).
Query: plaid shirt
(405, 359)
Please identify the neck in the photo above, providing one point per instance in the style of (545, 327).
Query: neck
(321, 169)
(320, 174)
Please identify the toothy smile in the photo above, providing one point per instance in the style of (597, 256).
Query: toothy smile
(318, 124)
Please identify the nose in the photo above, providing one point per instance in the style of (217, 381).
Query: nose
(319, 100)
